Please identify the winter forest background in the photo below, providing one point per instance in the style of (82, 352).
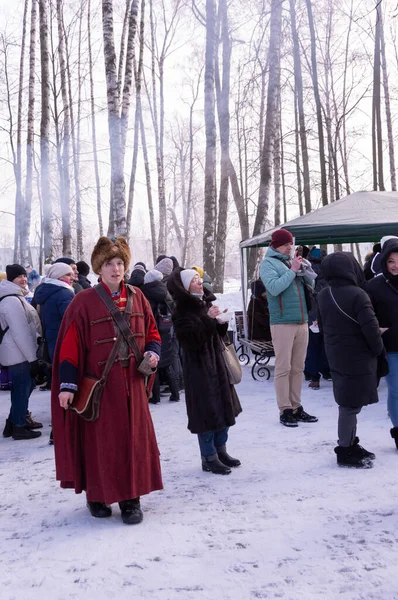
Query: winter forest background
(188, 125)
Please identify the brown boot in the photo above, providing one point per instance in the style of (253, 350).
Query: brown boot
(30, 423)
(314, 385)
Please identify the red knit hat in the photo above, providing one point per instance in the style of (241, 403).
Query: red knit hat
(280, 237)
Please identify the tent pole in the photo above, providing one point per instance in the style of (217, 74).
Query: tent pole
(243, 275)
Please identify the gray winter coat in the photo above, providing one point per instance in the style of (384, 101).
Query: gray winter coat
(19, 344)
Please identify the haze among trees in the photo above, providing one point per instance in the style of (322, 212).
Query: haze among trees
(189, 123)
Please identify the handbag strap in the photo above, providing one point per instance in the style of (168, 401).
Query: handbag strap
(340, 309)
(121, 322)
(111, 359)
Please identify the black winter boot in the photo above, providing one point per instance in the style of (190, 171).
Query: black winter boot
(361, 450)
(351, 457)
(7, 431)
(288, 419)
(131, 511)
(22, 433)
(212, 464)
(301, 415)
(226, 459)
(393, 433)
(99, 510)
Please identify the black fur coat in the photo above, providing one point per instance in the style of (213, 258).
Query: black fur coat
(212, 403)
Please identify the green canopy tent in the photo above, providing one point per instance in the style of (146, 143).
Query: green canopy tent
(359, 217)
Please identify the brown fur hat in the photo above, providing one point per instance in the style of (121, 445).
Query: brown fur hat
(106, 249)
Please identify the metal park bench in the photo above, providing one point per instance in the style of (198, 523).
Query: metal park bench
(262, 351)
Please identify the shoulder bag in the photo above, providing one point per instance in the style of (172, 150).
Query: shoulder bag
(87, 400)
(234, 370)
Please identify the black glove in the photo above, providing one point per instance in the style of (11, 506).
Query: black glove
(34, 369)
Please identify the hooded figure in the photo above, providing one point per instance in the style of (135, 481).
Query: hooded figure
(383, 291)
(353, 343)
(137, 275)
(162, 306)
(258, 313)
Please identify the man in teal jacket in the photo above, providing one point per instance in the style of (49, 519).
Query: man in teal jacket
(285, 279)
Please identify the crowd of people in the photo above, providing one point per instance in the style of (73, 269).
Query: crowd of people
(100, 336)
(115, 345)
(330, 317)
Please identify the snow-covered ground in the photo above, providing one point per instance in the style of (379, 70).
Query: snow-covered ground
(288, 524)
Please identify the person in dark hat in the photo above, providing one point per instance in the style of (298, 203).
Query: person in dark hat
(83, 270)
(285, 278)
(138, 274)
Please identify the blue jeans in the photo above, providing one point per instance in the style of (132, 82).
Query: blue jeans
(21, 389)
(211, 440)
(392, 385)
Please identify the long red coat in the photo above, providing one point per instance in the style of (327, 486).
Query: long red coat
(116, 457)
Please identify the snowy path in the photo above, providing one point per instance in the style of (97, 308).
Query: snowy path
(288, 524)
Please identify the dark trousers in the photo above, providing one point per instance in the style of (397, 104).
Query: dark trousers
(21, 389)
(171, 378)
(316, 361)
(347, 425)
(211, 440)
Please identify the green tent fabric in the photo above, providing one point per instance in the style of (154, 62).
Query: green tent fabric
(359, 217)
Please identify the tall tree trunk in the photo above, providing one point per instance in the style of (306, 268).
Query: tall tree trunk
(210, 209)
(75, 133)
(297, 158)
(128, 76)
(93, 122)
(45, 131)
(390, 136)
(26, 220)
(158, 120)
(267, 154)
(298, 87)
(149, 190)
(222, 94)
(19, 201)
(314, 73)
(118, 197)
(377, 134)
(65, 177)
(277, 163)
(138, 111)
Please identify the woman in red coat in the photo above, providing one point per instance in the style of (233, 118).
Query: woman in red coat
(115, 458)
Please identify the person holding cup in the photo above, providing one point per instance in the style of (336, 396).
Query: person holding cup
(212, 402)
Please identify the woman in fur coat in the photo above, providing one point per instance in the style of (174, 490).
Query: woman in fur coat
(212, 402)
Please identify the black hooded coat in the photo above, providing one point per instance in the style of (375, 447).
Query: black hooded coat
(383, 292)
(352, 343)
(212, 402)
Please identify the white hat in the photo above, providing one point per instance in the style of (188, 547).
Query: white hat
(386, 238)
(153, 275)
(186, 277)
(58, 270)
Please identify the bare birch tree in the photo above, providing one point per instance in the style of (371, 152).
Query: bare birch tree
(118, 197)
(45, 131)
(27, 209)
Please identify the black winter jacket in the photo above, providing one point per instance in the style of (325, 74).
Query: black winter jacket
(383, 292)
(351, 347)
(212, 402)
(161, 303)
